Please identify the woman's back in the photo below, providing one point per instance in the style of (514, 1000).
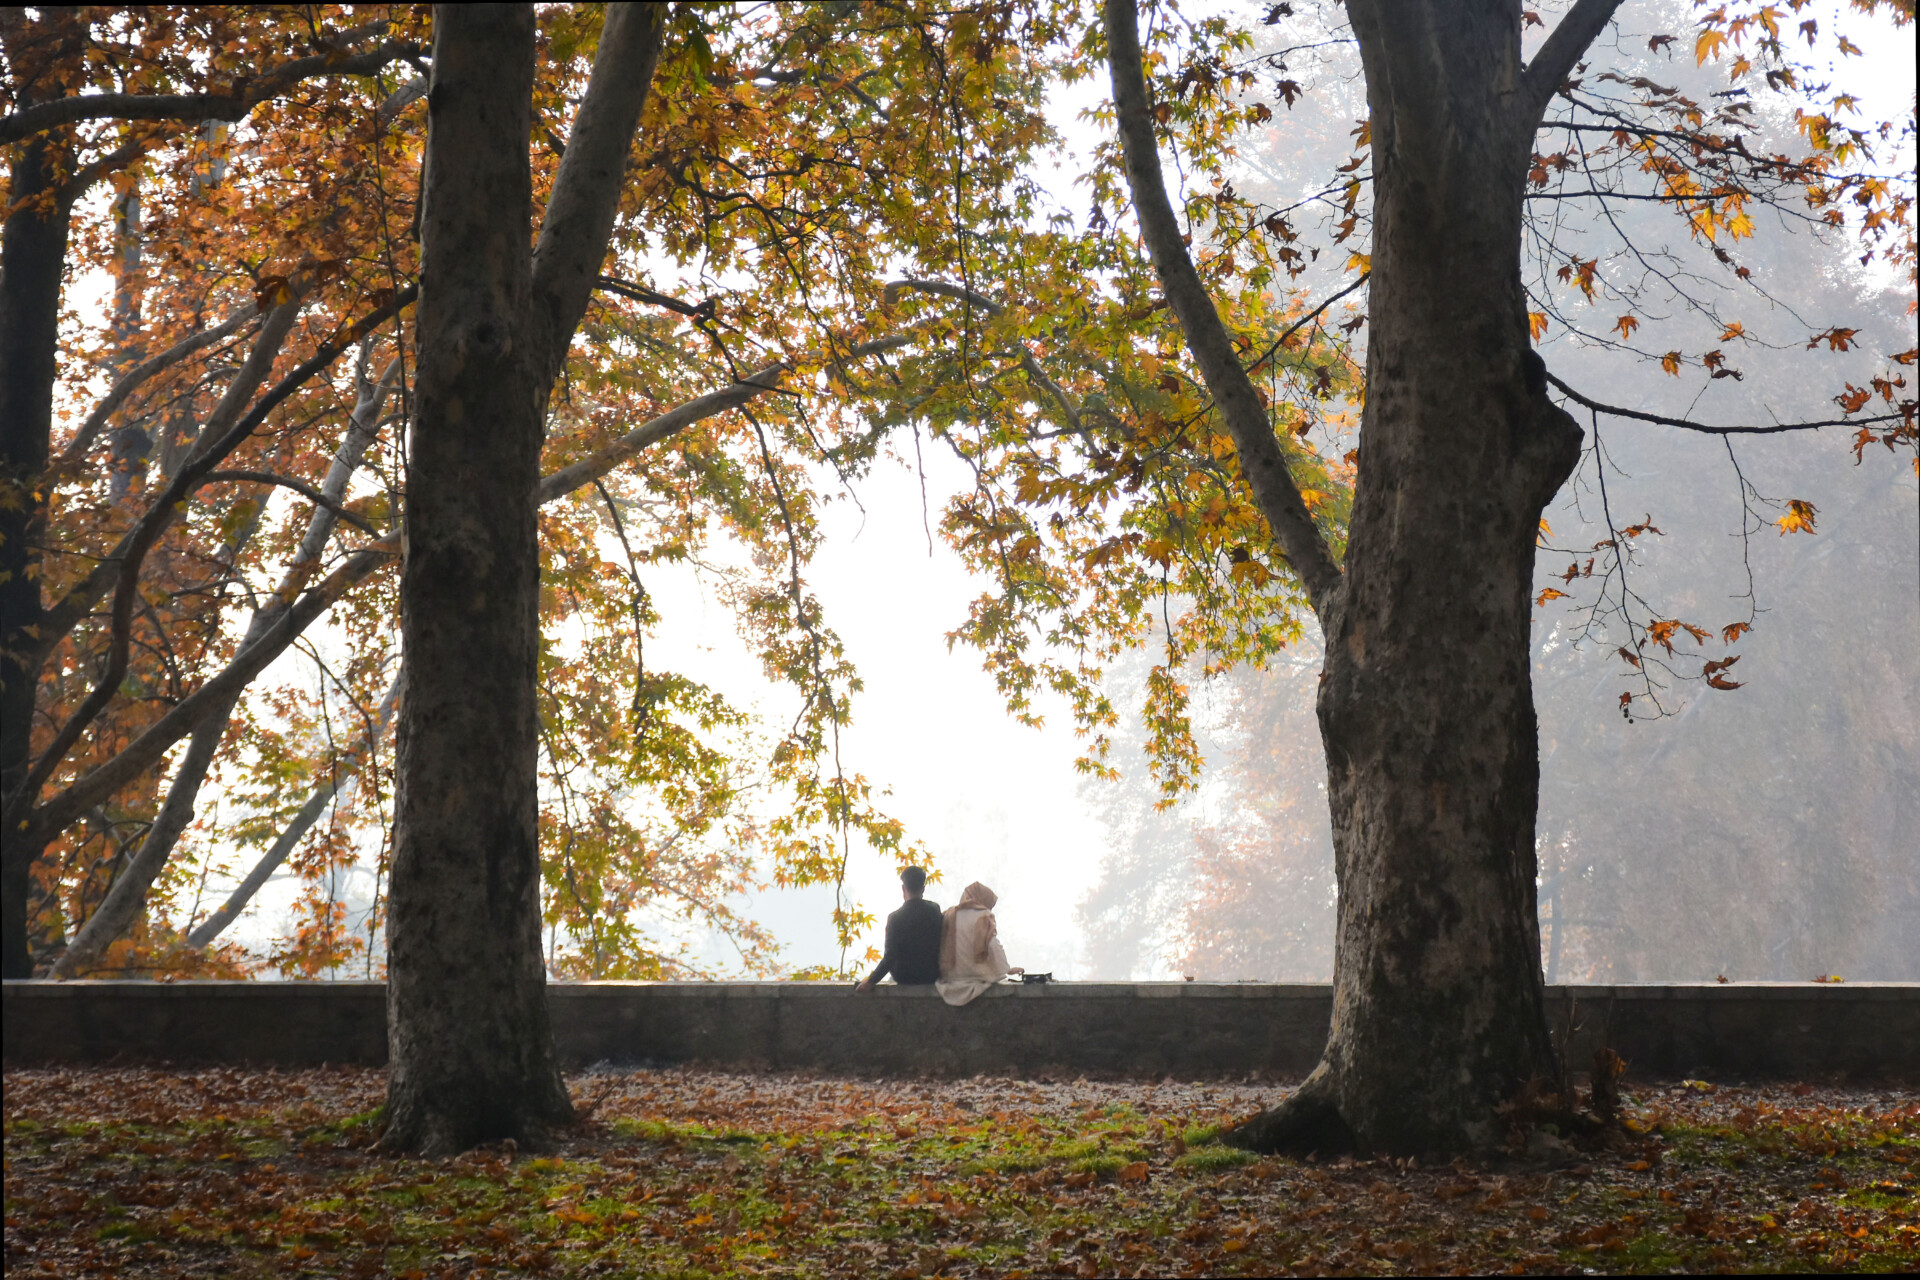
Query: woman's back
(971, 958)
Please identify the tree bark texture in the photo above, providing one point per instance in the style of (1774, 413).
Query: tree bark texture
(469, 1040)
(1426, 706)
(32, 256)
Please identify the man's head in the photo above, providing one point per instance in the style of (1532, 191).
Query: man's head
(913, 882)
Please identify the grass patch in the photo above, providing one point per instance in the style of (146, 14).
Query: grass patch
(1214, 1159)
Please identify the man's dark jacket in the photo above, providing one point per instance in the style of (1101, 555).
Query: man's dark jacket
(913, 944)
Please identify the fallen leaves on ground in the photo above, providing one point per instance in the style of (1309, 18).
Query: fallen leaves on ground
(151, 1172)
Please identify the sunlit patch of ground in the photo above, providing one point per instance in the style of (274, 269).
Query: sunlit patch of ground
(147, 1172)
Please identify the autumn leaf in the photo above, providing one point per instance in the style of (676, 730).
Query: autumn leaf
(1626, 325)
(1798, 519)
(1733, 631)
(1549, 593)
(1537, 324)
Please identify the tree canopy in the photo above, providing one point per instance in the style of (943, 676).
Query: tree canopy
(830, 252)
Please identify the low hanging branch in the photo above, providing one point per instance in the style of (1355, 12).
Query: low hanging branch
(67, 807)
(1684, 424)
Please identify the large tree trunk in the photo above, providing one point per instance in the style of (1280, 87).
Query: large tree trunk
(469, 1041)
(1426, 707)
(1426, 704)
(32, 259)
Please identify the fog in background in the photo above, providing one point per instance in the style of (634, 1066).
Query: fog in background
(1767, 832)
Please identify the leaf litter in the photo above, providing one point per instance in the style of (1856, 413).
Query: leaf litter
(685, 1172)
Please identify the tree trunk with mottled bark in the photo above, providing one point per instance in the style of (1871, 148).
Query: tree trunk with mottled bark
(1426, 706)
(469, 1040)
(34, 254)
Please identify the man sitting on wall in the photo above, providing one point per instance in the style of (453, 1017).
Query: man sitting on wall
(913, 937)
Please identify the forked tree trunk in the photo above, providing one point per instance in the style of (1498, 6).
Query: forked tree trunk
(1426, 708)
(469, 1039)
(1426, 705)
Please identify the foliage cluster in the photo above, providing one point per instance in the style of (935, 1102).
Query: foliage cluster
(832, 249)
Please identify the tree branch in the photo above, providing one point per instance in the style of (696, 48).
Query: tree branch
(1261, 458)
(676, 419)
(1304, 321)
(1772, 429)
(343, 775)
(1556, 59)
(188, 107)
(76, 450)
(639, 293)
(586, 191)
(300, 487)
(150, 747)
(1035, 374)
(205, 458)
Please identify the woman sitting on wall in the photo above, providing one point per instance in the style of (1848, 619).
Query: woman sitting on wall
(971, 958)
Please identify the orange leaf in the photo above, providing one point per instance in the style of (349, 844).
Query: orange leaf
(1549, 594)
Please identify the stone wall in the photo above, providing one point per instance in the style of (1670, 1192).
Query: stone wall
(1195, 1029)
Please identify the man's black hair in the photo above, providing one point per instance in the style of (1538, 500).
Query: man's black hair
(915, 880)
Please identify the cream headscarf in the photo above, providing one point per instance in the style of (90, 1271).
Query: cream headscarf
(975, 896)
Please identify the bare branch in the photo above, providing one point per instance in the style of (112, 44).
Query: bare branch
(639, 293)
(197, 106)
(300, 487)
(1768, 430)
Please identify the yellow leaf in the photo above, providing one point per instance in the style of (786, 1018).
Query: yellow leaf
(1671, 363)
(1799, 518)
(1549, 594)
(1537, 324)
(1708, 45)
